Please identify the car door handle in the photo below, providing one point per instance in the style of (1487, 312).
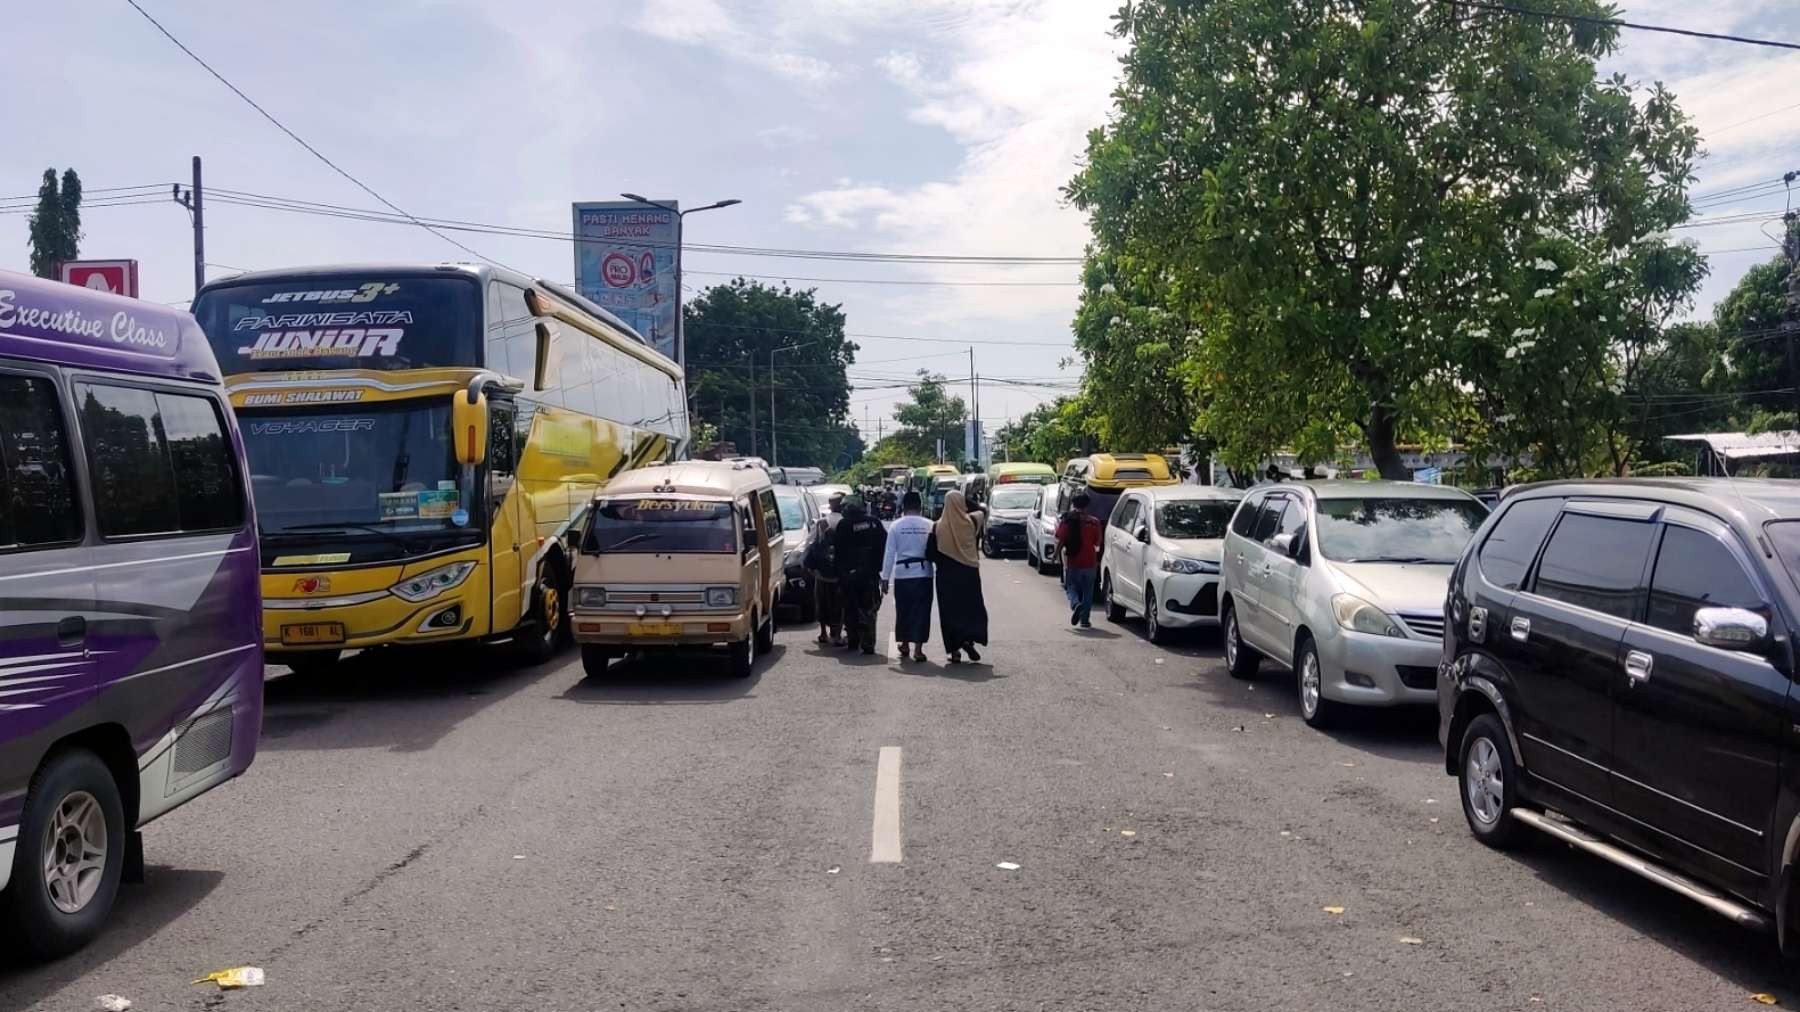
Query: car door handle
(1637, 667)
(1240, 558)
(71, 631)
(1521, 629)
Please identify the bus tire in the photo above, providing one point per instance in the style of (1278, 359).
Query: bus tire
(548, 623)
(73, 818)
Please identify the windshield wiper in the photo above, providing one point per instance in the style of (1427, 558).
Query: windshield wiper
(299, 530)
(634, 539)
(1411, 559)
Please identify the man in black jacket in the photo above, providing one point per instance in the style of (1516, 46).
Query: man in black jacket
(860, 540)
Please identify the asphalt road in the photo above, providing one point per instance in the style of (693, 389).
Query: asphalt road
(436, 831)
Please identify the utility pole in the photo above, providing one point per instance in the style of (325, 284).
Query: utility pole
(750, 390)
(193, 201)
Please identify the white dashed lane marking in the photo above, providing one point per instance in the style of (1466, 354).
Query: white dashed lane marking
(885, 845)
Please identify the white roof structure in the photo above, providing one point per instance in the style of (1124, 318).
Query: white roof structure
(1742, 445)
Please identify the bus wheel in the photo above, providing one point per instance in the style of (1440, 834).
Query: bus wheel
(548, 622)
(71, 849)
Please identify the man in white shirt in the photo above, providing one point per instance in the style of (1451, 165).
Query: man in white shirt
(905, 567)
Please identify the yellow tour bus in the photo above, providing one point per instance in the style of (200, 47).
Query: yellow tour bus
(421, 440)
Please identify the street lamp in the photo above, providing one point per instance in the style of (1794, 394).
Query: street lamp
(774, 444)
(681, 238)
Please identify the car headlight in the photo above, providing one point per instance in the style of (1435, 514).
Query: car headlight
(430, 584)
(590, 597)
(721, 597)
(1177, 564)
(1358, 615)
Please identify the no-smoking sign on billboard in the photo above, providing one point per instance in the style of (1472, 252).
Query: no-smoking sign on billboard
(625, 261)
(120, 277)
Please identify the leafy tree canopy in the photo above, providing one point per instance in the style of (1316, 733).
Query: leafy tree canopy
(931, 413)
(55, 223)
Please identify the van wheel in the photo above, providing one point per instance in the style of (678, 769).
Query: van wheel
(547, 627)
(1485, 776)
(1240, 660)
(1153, 629)
(1309, 675)
(1031, 559)
(311, 662)
(71, 848)
(743, 654)
(765, 636)
(594, 659)
(1115, 612)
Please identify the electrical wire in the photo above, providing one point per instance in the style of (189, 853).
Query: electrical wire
(315, 152)
(1585, 19)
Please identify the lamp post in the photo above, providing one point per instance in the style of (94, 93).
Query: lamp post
(774, 444)
(681, 238)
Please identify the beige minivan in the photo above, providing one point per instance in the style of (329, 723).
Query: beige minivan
(679, 555)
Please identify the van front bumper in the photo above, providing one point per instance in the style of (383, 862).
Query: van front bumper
(1386, 663)
(682, 629)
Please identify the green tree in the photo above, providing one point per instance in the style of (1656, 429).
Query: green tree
(731, 329)
(1749, 321)
(1360, 214)
(894, 449)
(1050, 433)
(929, 414)
(55, 224)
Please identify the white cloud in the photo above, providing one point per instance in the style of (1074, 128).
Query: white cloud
(707, 23)
(904, 69)
(785, 135)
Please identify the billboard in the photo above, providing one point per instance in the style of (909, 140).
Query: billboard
(625, 260)
(119, 277)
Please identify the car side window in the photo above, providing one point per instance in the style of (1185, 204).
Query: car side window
(771, 515)
(1270, 519)
(1596, 562)
(1243, 522)
(1123, 516)
(1514, 541)
(1694, 571)
(37, 489)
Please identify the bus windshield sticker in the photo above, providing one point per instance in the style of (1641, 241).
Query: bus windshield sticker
(677, 505)
(362, 293)
(363, 342)
(305, 426)
(436, 504)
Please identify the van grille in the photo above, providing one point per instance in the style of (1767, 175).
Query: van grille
(655, 597)
(1429, 624)
(203, 743)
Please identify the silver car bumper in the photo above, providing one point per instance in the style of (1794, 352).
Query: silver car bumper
(1386, 663)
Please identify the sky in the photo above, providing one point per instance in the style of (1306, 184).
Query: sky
(911, 126)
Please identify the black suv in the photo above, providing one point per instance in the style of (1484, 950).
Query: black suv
(1621, 654)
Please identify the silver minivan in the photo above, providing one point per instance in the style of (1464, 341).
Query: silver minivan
(1344, 582)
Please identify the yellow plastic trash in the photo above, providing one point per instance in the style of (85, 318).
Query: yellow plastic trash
(237, 976)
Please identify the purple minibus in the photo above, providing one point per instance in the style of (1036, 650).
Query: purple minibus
(130, 604)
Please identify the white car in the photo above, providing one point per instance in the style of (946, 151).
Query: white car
(1040, 530)
(1162, 556)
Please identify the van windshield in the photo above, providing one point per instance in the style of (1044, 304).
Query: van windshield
(661, 526)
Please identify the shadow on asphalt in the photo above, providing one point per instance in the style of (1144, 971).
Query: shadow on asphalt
(1096, 633)
(140, 912)
(404, 698)
(975, 673)
(1750, 959)
(671, 679)
(1400, 732)
(1195, 641)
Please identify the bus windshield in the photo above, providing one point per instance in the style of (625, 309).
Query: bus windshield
(350, 321)
(390, 466)
(662, 526)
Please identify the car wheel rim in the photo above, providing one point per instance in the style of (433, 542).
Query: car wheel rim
(1150, 615)
(75, 852)
(552, 611)
(1483, 782)
(1231, 642)
(1309, 684)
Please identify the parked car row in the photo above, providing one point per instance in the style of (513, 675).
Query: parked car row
(1612, 662)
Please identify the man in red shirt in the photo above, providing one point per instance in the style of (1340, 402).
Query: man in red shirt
(1078, 540)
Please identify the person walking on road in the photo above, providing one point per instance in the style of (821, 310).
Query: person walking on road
(906, 568)
(1078, 541)
(859, 543)
(953, 549)
(828, 600)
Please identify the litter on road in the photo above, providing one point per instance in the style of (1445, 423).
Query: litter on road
(1764, 998)
(1410, 940)
(833, 870)
(1127, 832)
(1332, 910)
(1007, 866)
(237, 976)
(112, 1003)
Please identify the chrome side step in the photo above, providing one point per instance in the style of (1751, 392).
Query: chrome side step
(1638, 864)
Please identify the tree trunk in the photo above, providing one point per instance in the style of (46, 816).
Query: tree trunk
(1380, 432)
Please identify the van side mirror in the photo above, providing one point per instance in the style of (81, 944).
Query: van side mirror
(1730, 628)
(469, 426)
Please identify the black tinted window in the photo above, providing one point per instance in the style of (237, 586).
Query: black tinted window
(206, 484)
(160, 462)
(1126, 513)
(1596, 562)
(1270, 519)
(1244, 521)
(1508, 550)
(37, 493)
(1694, 570)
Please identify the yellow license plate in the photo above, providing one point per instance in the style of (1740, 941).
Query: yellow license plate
(312, 632)
(654, 628)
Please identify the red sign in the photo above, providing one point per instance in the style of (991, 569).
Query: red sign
(618, 270)
(119, 277)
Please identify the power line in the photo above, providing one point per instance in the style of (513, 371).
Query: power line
(88, 190)
(316, 153)
(1616, 23)
(1753, 119)
(890, 281)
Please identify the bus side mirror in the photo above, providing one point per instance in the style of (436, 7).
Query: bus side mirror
(543, 356)
(469, 426)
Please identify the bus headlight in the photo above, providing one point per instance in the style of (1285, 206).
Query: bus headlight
(721, 597)
(590, 597)
(430, 584)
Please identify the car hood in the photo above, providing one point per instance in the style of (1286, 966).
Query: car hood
(1011, 516)
(1397, 586)
(793, 540)
(1204, 549)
